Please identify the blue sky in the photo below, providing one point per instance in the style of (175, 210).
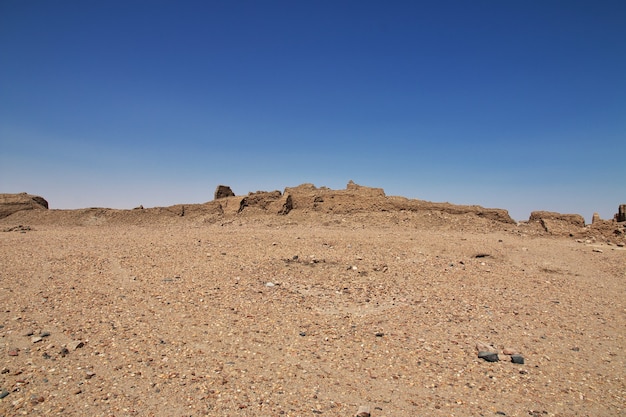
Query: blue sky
(511, 104)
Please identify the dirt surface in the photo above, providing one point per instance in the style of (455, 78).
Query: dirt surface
(186, 311)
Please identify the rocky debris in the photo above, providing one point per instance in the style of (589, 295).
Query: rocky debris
(223, 191)
(12, 203)
(3, 393)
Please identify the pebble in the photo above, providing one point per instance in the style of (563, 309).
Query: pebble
(484, 347)
(598, 250)
(90, 374)
(269, 284)
(489, 356)
(76, 344)
(363, 411)
(36, 339)
(4, 393)
(509, 351)
(14, 352)
(44, 334)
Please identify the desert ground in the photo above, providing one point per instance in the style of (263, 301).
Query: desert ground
(326, 310)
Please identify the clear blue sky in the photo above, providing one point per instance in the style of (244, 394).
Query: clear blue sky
(511, 104)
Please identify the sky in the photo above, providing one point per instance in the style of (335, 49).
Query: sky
(519, 105)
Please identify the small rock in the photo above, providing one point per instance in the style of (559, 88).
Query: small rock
(76, 344)
(517, 359)
(597, 250)
(14, 352)
(34, 399)
(28, 332)
(89, 374)
(36, 339)
(5, 371)
(484, 347)
(3, 393)
(77, 391)
(64, 352)
(509, 351)
(380, 334)
(363, 411)
(269, 284)
(489, 356)
(44, 334)
(302, 334)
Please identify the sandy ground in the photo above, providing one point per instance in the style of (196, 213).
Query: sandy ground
(280, 317)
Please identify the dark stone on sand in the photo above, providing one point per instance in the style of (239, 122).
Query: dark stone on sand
(517, 359)
(489, 356)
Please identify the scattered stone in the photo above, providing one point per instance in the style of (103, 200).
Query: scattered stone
(28, 333)
(44, 334)
(380, 334)
(597, 250)
(64, 352)
(489, 356)
(3, 393)
(269, 284)
(89, 374)
(77, 391)
(5, 371)
(36, 339)
(363, 411)
(509, 351)
(14, 352)
(302, 334)
(76, 344)
(519, 359)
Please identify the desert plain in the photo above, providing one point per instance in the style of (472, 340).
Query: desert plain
(344, 303)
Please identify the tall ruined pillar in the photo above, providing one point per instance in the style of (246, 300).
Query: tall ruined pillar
(621, 214)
